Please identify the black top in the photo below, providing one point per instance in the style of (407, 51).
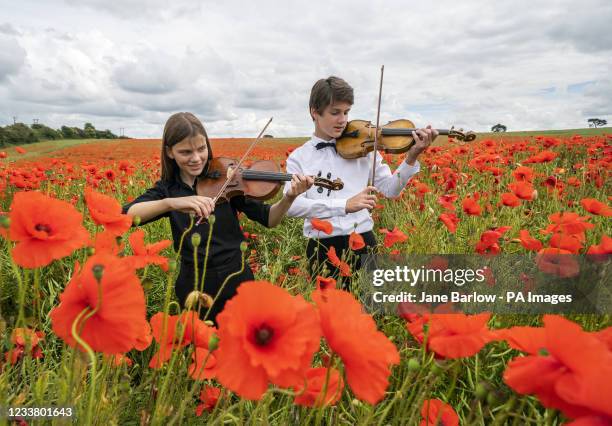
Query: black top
(226, 236)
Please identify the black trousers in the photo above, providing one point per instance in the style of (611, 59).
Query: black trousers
(213, 281)
(316, 251)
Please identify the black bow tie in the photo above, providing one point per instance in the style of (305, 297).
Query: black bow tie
(322, 145)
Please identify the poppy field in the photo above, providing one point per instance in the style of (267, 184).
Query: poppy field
(89, 319)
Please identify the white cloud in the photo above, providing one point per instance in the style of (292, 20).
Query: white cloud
(472, 64)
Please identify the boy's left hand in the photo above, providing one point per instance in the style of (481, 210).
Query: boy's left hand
(299, 185)
(423, 138)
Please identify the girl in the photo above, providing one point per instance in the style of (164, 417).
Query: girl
(185, 155)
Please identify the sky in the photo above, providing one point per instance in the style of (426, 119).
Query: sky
(128, 65)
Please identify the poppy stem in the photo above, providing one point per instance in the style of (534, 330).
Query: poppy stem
(92, 358)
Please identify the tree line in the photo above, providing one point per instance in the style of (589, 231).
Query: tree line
(20, 133)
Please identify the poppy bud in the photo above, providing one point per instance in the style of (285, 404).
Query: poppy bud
(136, 220)
(436, 369)
(211, 219)
(213, 342)
(195, 297)
(481, 392)
(98, 272)
(90, 251)
(147, 284)
(413, 364)
(171, 265)
(243, 246)
(196, 239)
(356, 402)
(5, 222)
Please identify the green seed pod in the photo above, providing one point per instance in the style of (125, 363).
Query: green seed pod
(243, 246)
(196, 239)
(136, 220)
(91, 251)
(211, 219)
(481, 392)
(436, 369)
(171, 265)
(5, 221)
(413, 365)
(213, 342)
(98, 272)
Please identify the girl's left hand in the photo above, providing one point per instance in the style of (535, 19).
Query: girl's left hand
(299, 185)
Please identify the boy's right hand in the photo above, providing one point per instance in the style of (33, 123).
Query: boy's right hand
(196, 204)
(363, 200)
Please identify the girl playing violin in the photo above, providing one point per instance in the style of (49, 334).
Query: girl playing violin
(185, 155)
(349, 209)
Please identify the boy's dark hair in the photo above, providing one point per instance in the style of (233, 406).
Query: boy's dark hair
(327, 91)
(178, 127)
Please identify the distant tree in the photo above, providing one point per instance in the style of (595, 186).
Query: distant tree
(105, 134)
(19, 133)
(499, 128)
(596, 122)
(90, 130)
(45, 132)
(80, 133)
(68, 132)
(268, 136)
(2, 137)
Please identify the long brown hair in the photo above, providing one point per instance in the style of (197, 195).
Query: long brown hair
(178, 127)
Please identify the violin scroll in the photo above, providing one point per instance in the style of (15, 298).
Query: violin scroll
(459, 134)
(333, 185)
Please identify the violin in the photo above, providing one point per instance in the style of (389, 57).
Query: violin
(395, 137)
(261, 181)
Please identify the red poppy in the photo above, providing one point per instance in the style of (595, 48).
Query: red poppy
(510, 200)
(596, 207)
(573, 368)
(24, 340)
(356, 241)
(3, 154)
(393, 237)
(558, 262)
(118, 360)
(173, 332)
(528, 241)
(147, 254)
(450, 220)
(604, 247)
(523, 173)
(322, 225)
(265, 335)
(523, 190)
(210, 397)
(345, 269)
(571, 243)
(452, 335)
(106, 211)
(437, 413)
(110, 314)
(318, 379)
(447, 201)
(20, 150)
(107, 243)
(567, 223)
(325, 283)
(470, 206)
(45, 229)
(346, 328)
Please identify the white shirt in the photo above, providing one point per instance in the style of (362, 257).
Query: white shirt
(354, 173)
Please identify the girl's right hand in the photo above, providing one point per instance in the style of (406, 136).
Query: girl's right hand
(196, 204)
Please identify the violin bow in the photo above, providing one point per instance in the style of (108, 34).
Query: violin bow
(371, 180)
(237, 166)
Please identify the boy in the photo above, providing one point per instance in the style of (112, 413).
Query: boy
(348, 210)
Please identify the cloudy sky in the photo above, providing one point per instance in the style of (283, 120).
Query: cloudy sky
(130, 64)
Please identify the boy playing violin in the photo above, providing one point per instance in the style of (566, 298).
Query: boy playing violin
(348, 210)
